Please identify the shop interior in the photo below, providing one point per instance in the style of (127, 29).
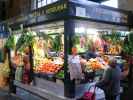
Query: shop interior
(95, 43)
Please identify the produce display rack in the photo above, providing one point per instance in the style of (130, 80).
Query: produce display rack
(71, 12)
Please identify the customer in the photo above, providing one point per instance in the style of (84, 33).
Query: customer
(110, 82)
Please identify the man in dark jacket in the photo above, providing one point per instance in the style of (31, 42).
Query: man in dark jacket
(110, 82)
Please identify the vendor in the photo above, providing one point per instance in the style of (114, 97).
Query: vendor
(75, 65)
(14, 63)
(91, 53)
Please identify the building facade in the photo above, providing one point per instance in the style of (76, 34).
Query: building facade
(18, 7)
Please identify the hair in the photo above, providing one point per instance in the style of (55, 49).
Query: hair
(112, 62)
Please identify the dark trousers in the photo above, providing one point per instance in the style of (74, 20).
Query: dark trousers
(111, 97)
(12, 87)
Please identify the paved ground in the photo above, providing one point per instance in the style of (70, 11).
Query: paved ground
(4, 95)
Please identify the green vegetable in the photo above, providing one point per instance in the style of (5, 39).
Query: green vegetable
(56, 45)
(114, 36)
(46, 37)
(76, 40)
(10, 42)
(60, 74)
(26, 39)
(128, 44)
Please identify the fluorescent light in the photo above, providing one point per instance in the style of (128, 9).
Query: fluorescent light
(80, 30)
(92, 31)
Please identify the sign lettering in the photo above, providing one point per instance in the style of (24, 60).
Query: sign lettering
(57, 8)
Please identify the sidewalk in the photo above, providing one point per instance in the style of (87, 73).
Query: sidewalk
(4, 95)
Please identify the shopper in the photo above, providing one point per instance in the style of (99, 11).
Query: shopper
(110, 82)
(26, 71)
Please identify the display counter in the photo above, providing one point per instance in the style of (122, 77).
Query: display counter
(50, 91)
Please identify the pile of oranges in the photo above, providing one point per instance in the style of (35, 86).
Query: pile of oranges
(94, 64)
(49, 68)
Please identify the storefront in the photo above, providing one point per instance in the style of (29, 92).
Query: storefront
(56, 30)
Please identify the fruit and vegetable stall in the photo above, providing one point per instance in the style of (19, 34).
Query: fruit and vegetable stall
(42, 53)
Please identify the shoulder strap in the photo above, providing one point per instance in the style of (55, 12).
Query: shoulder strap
(110, 75)
(110, 78)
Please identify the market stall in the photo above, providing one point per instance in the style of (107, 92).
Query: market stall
(4, 60)
(51, 36)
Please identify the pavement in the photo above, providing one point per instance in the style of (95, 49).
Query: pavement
(4, 95)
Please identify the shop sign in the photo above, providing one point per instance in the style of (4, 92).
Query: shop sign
(98, 13)
(57, 8)
(31, 18)
(50, 9)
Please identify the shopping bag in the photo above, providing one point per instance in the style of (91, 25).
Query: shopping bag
(99, 94)
(89, 95)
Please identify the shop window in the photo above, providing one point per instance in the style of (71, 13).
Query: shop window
(40, 3)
